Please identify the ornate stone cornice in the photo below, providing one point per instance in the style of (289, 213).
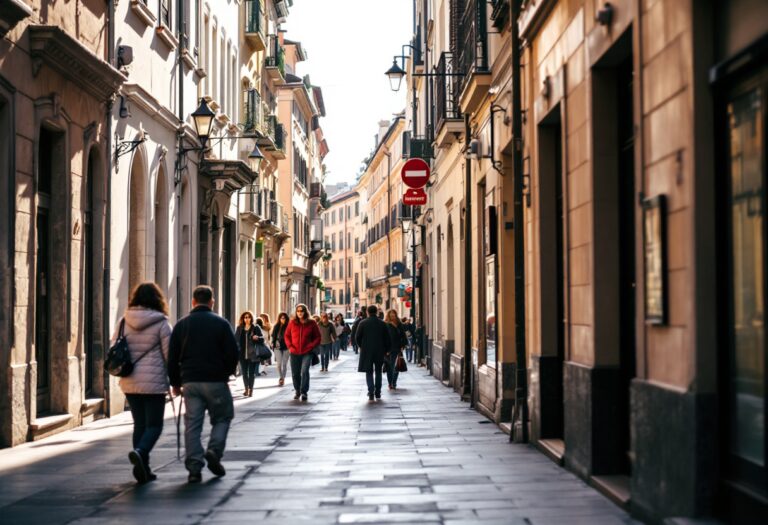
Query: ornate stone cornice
(139, 96)
(51, 46)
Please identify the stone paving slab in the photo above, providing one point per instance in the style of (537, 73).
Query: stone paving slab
(420, 455)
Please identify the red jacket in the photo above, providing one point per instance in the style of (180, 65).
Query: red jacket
(302, 338)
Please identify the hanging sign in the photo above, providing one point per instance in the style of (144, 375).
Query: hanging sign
(414, 197)
(415, 173)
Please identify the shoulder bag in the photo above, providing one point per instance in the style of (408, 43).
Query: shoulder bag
(118, 361)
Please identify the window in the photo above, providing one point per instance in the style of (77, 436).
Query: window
(349, 266)
(333, 270)
(341, 241)
(357, 209)
(341, 269)
(357, 245)
(165, 13)
(349, 240)
(333, 242)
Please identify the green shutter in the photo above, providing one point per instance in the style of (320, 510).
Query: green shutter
(259, 252)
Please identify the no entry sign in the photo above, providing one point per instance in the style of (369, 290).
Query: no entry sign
(414, 197)
(415, 173)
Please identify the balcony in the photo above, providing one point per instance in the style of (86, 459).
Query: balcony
(272, 136)
(473, 56)
(275, 62)
(417, 147)
(447, 110)
(255, 24)
(254, 209)
(500, 13)
(252, 112)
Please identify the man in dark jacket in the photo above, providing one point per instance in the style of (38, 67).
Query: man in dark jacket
(202, 355)
(372, 337)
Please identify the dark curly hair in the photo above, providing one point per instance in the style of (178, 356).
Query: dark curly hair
(149, 295)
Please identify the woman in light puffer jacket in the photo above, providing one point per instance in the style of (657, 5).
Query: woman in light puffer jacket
(148, 333)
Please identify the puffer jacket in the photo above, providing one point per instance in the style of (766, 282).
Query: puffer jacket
(146, 331)
(302, 338)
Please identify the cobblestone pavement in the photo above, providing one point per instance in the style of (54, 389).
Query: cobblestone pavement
(419, 455)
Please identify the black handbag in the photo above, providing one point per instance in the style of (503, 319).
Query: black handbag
(262, 352)
(118, 361)
(400, 364)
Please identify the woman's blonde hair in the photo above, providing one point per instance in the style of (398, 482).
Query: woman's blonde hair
(389, 317)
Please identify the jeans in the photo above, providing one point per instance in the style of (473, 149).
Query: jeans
(391, 372)
(374, 387)
(250, 370)
(300, 371)
(409, 350)
(336, 349)
(217, 399)
(325, 355)
(147, 411)
(343, 342)
(281, 358)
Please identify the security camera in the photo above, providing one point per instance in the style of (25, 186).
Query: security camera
(473, 149)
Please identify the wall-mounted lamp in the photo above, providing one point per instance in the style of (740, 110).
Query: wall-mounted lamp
(604, 16)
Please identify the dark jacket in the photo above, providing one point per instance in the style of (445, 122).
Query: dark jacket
(203, 349)
(354, 328)
(397, 339)
(245, 343)
(278, 337)
(302, 338)
(372, 336)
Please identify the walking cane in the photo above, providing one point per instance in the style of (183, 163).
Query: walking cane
(177, 420)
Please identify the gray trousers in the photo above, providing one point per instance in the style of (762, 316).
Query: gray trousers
(281, 359)
(217, 400)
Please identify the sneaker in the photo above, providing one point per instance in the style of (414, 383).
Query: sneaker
(214, 464)
(194, 477)
(139, 468)
(296, 395)
(378, 395)
(303, 397)
(370, 396)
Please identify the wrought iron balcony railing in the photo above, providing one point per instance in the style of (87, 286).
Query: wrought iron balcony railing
(446, 90)
(254, 16)
(473, 54)
(252, 111)
(417, 147)
(276, 57)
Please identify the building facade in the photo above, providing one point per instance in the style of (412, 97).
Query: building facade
(57, 84)
(342, 264)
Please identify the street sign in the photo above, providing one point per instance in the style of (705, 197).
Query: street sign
(415, 173)
(414, 197)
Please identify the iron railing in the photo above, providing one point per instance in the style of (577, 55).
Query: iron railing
(254, 16)
(276, 57)
(446, 90)
(252, 107)
(473, 53)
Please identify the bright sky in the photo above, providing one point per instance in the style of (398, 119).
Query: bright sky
(350, 44)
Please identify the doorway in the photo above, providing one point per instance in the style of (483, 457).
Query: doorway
(745, 378)
(614, 262)
(552, 305)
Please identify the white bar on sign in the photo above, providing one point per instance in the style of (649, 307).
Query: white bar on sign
(419, 174)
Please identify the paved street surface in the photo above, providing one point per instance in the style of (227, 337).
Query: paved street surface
(418, 456)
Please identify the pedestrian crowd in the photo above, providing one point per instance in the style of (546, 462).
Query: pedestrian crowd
(195, 359)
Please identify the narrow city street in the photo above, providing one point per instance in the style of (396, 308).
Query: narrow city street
(420, 455)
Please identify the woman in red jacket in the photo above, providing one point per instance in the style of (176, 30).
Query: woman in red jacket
(302, 337)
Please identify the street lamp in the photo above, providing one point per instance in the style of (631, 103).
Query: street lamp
(406, 223)
(255, 158)
(396, 75)
(203, 118)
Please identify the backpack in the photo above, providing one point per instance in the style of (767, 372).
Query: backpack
(118, 361)
(347, 330)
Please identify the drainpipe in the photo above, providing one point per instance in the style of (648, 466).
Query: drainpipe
(108, 212)
(468, 371)
(521, 390)
(389, 217)
(180, 80)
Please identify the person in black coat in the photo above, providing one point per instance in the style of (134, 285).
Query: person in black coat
(397, 342)
(372, 337)
(358, 320)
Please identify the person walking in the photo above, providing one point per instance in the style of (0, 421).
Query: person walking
(338, 326)
(409, 329)
(247, 336)
(279, 346)
(397, 341)
(262, 342)
(203, 354)
(302, 338)
(358, 319)
(372, 337)
(327, 341)
(146, 328)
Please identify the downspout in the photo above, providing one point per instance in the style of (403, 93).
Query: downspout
(389, 226)
(468, 371)
(521, 390)
(108, 215)
(179, 240)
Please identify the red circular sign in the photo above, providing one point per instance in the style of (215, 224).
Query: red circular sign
(415, 173)
(414, 197)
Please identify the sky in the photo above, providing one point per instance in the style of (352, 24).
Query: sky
(350, 44)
